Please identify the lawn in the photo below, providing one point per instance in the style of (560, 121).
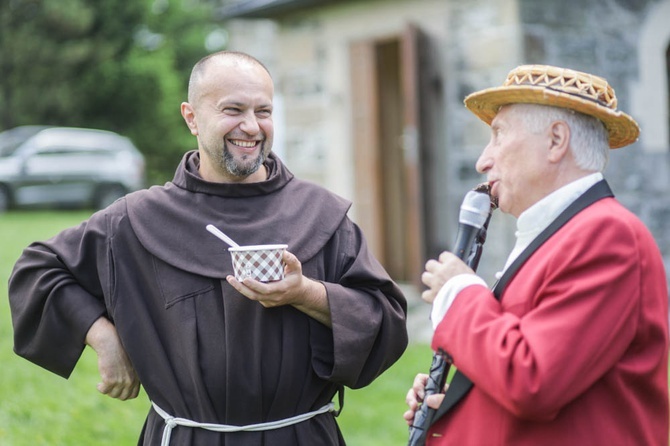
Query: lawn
(39, 408)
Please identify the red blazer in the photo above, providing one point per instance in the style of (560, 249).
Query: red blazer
(576, 350)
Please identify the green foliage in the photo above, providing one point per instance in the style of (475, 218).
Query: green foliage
(39, 408)
(111, 64)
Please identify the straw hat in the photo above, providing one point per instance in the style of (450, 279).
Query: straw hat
(560, 87)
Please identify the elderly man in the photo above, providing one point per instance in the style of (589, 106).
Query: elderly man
(571, 345)
(223, 361)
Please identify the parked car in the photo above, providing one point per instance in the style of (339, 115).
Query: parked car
(43, 166)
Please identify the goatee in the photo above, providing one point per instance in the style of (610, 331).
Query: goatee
(240, 168)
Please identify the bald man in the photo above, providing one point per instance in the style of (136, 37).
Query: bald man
(153, 293)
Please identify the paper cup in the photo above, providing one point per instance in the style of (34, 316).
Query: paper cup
(260, 262)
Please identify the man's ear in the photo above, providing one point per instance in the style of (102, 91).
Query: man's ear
(560, 140)
(188, 114)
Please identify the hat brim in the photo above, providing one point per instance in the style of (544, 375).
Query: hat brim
(622, 129)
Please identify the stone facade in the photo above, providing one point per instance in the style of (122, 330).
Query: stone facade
(473, 44)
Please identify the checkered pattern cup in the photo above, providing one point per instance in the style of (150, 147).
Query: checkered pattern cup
(260, 262)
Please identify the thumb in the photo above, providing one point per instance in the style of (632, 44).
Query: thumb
(434, 401)
(291, 262)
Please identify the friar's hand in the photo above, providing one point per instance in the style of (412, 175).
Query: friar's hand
(118, 377)
(415, 396)
(307, 295)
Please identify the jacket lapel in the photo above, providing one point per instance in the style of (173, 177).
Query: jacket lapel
(460, 384)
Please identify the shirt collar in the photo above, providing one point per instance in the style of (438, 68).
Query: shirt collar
(537, 217)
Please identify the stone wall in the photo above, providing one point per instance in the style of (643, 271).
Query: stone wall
(476, 43)
(599, 36)
(604, 39)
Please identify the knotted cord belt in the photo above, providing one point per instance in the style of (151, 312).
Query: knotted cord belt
(171, 422)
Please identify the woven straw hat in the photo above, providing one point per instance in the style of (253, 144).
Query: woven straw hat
(560, 87)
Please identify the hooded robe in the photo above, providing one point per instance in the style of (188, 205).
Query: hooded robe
(202, 350)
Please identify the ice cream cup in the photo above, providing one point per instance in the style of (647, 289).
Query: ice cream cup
(260, 262)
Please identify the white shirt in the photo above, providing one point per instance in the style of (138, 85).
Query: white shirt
(529, 225)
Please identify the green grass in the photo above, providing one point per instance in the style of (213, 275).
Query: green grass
(39, 408)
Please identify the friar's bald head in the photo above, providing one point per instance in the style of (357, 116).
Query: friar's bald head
(200, 69)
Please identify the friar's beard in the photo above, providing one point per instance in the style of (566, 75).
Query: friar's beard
(239, 168)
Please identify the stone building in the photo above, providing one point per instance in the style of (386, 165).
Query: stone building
(369, 102)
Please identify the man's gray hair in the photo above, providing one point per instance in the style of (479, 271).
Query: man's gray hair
(588, 136)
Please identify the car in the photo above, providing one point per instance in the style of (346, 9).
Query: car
(56, 167)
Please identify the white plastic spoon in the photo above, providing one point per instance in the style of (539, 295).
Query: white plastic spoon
(214, 230)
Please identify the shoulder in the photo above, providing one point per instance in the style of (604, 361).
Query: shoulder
(610, 216)
(317, 191)
(605, 229)
(151, 193)
(113, 217)
(316, 200)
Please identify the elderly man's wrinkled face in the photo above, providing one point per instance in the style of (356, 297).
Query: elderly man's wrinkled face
(232, 119)
(515, 162)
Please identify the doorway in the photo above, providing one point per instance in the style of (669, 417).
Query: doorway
(389, 151)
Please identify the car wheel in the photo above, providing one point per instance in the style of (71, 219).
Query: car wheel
(107, 195)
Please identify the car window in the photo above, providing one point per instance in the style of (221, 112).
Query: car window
(11, 140)
(7, 148)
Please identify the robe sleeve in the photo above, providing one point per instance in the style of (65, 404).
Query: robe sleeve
(368, 313)
(55, 295)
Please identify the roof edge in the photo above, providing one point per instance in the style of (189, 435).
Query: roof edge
(260, 9)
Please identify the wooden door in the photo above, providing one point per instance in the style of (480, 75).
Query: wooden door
(387, 151)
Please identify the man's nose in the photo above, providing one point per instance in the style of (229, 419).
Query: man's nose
(249, 124)
(484, 162)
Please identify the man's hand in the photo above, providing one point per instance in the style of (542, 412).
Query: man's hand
(119, 379)
(438, 272)
(415, 397)
(307, 295)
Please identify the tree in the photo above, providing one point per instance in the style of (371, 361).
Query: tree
(110, 64)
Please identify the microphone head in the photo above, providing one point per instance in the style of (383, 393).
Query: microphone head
(475, 209)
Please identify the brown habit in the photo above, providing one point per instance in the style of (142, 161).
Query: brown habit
(202, 350)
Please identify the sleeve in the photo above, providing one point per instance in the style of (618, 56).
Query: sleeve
(368, 312)
(564, 321)
(447, 294)
(55, 295)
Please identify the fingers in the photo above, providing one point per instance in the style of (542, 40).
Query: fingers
(440, 271)
(432, 279)
(409, 417)
(120, 390)
(415, 396)
(419, 386)
(446, 256)
(268, 294)
(121, 382)
(428, 295)
(277, 293)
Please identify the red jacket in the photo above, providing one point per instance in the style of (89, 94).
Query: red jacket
(576, 350)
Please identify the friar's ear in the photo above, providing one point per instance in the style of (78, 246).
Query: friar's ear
(188, 113)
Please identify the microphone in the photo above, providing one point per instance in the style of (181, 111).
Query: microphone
(473, 221)
(475, 210)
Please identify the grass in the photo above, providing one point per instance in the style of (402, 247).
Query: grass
(39, 408)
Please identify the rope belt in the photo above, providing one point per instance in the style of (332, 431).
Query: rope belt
(171, 422)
